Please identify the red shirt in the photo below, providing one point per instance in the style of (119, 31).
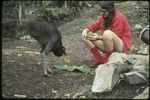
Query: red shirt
(119, 25)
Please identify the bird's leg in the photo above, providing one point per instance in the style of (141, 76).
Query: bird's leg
(45, 64)
(47, 50)
(50, 70)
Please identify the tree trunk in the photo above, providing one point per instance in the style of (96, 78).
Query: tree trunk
(20, 14)
(80, 3)
(65, 4)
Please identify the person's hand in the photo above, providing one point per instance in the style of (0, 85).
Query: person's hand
(92, 36)
(84, 33)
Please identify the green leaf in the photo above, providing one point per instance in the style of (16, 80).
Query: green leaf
(85, 69)
(65, 67)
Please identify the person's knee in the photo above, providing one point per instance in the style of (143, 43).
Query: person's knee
(107, 34)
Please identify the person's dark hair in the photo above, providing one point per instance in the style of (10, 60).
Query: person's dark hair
(109, 5)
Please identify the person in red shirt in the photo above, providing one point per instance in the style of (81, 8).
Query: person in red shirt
(114, 35)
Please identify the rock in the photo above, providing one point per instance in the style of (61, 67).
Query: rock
(7, 52)
(20, 47)
(144, 73)
(80, 93)
(116, 58)
(20, 96)
(135, 77)
(32, 53)
(143, 95)
(19, 55)
(27, 38)
(104, 78)
(140, 59)
(144, 51)
(107, 76)
(122, 68)
(139, 67)
(138, 27)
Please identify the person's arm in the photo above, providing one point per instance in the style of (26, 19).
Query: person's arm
(118, 25)
(94, 27)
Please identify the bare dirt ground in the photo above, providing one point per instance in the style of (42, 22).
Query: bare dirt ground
(22, 71)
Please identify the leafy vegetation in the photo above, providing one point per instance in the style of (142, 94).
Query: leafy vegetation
(15, 14)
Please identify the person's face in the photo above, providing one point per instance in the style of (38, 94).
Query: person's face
(105, 13)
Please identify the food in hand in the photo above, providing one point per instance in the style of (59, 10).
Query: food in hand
(91, 36)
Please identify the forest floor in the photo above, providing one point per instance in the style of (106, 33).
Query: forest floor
(22, 71)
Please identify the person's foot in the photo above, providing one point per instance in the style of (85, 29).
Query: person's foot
(95, 64)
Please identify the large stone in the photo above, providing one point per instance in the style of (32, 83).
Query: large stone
(143, 95)
(116, 58)
(135, 77)
(105, 78)
(107, 75)
(140, 59)
(144, 73)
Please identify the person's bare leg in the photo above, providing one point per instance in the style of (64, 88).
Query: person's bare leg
(91, 44)
(111, 43)
(95, 51)
(87, 42)
(99, 44)
(108, 40)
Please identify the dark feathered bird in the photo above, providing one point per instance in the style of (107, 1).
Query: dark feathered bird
(49, 38)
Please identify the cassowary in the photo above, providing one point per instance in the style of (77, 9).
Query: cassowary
(49, 38)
